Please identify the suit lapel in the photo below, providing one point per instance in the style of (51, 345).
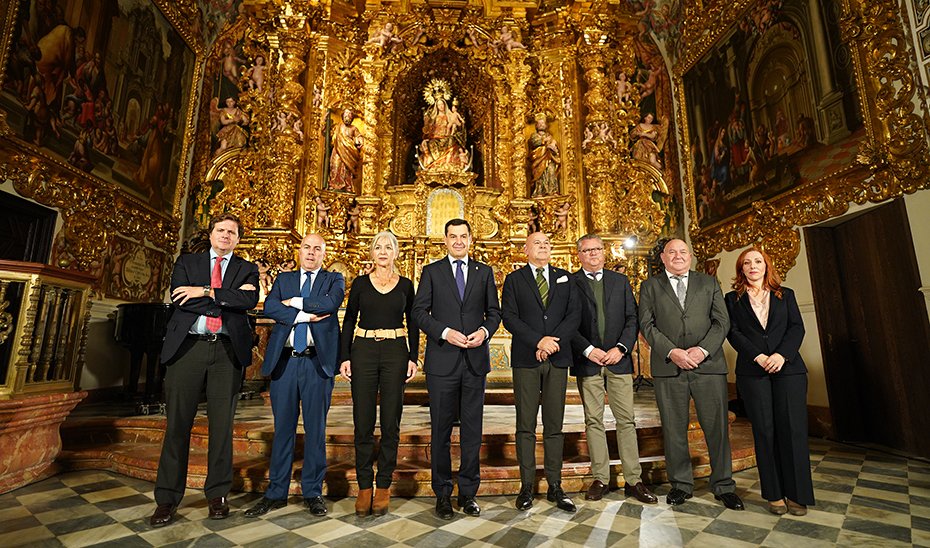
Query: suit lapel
(666, 284)
(235, 263)
(471, 280)
(691, 290)
(445, 271)
(747, 307)
(609, 282)
(317, 283)
(527, 273)
(585, 285)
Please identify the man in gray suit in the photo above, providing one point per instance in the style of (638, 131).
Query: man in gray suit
(684, 319)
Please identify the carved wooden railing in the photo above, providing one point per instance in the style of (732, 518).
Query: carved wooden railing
(44, 314)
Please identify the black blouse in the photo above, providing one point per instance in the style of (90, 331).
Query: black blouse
(380, 311)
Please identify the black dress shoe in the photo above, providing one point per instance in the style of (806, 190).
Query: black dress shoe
(730, 500)
(164, 514)
(316, 505)
(557, 495)
(525, 498)
(641, 492)
(219, 508)
(596, 491)
(264, 506)
(676, 496)
(444, 507)
(470, 506)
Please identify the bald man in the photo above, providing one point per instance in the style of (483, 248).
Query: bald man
(301, 359)
(684, 319)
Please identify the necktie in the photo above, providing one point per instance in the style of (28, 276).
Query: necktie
(594, 275)
(216, 280)
(543, 286)
(460, 278)
(680, 289)
(300, 332)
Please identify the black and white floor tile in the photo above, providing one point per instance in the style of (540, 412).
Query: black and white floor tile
(866, 497)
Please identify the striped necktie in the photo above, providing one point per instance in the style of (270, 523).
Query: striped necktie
(543, 286)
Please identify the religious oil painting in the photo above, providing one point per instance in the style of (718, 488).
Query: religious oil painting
(771, 106)
(104, 87)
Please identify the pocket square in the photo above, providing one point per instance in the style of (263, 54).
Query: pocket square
(563, 279)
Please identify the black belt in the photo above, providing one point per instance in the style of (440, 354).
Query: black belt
(210, 337)
(310, 351)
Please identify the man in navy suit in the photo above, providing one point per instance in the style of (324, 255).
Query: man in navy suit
(208, 342)
(607, 333)
(456, 306)
(301, 360)
(540, 308)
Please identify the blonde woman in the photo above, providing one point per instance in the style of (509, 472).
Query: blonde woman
(379, 357)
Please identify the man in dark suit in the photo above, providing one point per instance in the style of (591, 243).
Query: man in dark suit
(208, 342)
(602, 365)
(540, 308)
(684, 319)
(301, 360)
(456, 306)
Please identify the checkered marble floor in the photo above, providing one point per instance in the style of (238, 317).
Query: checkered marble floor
(865, 497)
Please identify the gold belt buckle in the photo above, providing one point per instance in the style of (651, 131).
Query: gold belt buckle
(381, 334)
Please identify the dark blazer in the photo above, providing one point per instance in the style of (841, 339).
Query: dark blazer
(666, 325)
(529, 321)
(621, 325)
(437, 306)
(783, 333)
(229, 303)
(325, 298)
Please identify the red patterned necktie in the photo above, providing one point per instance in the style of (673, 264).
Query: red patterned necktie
(216, 280)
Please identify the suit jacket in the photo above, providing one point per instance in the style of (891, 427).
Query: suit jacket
(529, 321)
(437, 306)
(229, 303)
(325, 298)
(666, 325)
(621, 327)
(782, 334)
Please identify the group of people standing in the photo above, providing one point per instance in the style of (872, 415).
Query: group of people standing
(585, 322)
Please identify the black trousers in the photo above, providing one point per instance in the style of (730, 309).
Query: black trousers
(528, 384)
(199, 365)
(378, 368)
(459, 395)
(777, 409)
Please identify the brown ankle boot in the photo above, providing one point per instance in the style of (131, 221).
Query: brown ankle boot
(382, 499)
(363, 503)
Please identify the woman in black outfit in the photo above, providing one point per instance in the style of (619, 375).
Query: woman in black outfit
(766, 330)
(379, 356)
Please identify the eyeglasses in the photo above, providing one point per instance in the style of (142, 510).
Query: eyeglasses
(592, 250)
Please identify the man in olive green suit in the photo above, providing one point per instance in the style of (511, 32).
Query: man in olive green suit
(684, 319)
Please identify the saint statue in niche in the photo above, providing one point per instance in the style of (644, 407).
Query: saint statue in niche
(444, 145)
(544, 159)
(345, 162)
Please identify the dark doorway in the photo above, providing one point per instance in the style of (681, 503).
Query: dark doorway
(26, 229)
(874, 330)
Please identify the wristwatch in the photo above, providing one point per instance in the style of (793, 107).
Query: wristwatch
(206, 290)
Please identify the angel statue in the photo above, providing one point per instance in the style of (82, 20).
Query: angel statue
(386, 38)
(444, 145)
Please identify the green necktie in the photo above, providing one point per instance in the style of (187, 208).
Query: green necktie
(543, 286)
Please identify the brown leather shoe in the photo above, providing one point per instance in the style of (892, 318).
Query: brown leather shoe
(164, 514)
(778, 507)
(641, 492)
(379, 505)
(219, 508)
(363, 503)
(796, 509)
(596, 491)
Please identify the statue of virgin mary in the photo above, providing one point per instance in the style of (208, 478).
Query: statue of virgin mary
(444, 143)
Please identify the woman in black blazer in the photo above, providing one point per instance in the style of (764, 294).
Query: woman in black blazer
(766, 330)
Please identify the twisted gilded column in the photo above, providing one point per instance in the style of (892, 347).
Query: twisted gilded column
(373, 70)
(596, 153)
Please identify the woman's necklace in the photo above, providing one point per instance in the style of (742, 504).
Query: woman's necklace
(382, 283)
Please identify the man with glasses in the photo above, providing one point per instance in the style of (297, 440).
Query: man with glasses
(602, 365)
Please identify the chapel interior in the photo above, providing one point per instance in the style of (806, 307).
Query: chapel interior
(800, 126)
